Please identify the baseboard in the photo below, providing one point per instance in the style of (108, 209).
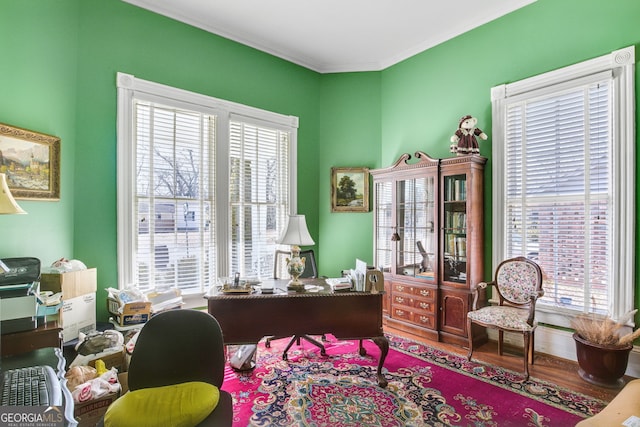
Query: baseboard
(560, 343)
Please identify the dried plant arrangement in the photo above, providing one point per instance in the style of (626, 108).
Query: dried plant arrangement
(603, 330)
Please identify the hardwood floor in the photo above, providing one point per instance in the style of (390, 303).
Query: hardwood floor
(553, 369)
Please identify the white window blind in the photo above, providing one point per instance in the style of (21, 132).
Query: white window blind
(204, 187)
(558, 191)
(175, 188)
(564, 185)
(259, 165)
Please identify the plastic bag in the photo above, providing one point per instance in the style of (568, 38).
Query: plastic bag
(97, 387)
(78, 375)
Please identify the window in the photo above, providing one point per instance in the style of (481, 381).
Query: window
(564, 175)
(204, 186)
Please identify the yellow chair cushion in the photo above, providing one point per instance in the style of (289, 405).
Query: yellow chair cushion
(179, 405)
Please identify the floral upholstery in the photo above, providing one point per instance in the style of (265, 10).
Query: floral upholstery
(517, 282)
(507, 318)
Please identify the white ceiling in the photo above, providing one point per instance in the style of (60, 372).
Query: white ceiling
(336, 35)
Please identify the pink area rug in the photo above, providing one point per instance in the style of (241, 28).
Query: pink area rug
(427, 387)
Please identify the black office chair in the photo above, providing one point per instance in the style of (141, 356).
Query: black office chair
(280, 272)
(180, 346)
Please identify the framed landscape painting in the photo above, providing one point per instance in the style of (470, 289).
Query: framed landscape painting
(349, 189)
(31, 162)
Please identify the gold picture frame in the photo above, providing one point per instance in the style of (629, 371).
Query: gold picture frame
(31, 162)
(349, 189)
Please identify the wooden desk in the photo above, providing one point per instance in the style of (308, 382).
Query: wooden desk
(46, 356)
(245, 319)
(47, 334)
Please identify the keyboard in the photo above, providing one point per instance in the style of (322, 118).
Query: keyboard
(31, 386)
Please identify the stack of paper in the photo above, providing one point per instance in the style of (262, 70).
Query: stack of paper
(340, 283)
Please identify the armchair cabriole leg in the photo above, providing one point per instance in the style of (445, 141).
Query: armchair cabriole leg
(532, 347)
(470, 335)
(526, 347)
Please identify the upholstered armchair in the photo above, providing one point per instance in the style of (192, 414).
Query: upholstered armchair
(518, 282)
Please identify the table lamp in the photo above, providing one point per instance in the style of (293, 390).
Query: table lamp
(296, 234)
(8, 206)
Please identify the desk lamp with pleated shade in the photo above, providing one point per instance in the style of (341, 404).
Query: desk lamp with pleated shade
(8, 206)
(296, 235)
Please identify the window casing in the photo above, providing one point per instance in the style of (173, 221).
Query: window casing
(564, 183)
(204, 186)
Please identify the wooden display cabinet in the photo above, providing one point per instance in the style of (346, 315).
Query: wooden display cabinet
(462, 243)
(428, 228)
(406, 242)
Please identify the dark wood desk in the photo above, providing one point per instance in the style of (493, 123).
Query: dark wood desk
(46, 356)
(245, 319)
(47, 334)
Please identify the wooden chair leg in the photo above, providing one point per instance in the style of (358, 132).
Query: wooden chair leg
(500, 337)
(526, 347)
(532, 347)
(470, 335)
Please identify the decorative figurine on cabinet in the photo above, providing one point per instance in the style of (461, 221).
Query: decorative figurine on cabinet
(464, 140)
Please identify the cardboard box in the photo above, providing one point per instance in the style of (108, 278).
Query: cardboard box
(71, 284)
(91, 412)
(77, 315)
(132, 313)
(123, 379)
(116, 360)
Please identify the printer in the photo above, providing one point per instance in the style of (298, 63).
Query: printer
(19, 291)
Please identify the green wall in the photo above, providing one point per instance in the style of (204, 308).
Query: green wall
(37, 92)
(349, 137)
(58, 75)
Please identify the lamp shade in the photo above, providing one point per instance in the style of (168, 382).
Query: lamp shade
(8, 204)
(296, 232)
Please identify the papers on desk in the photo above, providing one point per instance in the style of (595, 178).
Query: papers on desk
(339, 283)
(48, 298)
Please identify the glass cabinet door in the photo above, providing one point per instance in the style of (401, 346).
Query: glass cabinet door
(415, 219)
(455, 228)
(384, 226)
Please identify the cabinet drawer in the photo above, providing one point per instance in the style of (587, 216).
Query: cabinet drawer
(400, 312)
(399, 300)
(424, 319)
(419, 291)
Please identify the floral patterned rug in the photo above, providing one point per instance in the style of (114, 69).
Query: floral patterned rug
(427, 387)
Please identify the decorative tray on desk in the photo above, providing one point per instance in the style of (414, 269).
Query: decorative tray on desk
(236, 285)
(238, 290)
